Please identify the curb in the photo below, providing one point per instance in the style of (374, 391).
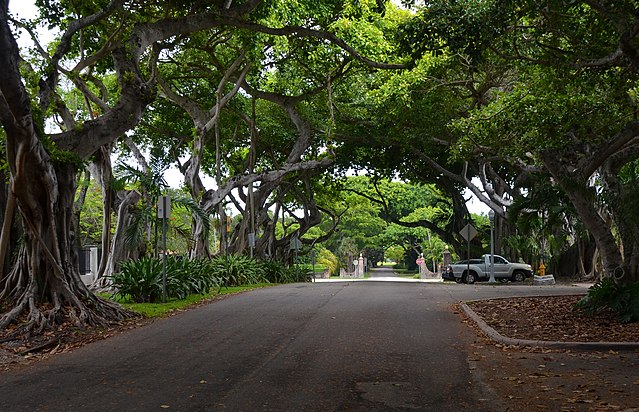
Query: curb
(584, 346)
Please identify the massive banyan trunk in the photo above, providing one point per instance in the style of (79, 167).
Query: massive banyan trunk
(622, 206)
(44, 282)
(200, 242)
(578, 259)
(46, 269)
(119, 249)
(620, 260)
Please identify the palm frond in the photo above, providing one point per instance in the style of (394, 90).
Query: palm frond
(191, 206)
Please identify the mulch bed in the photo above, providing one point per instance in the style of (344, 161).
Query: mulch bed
(552, 319)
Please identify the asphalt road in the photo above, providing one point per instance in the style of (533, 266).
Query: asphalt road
(347, 346)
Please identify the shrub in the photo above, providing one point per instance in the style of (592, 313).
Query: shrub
(273, 271)
(237, 270)
(607, 295)
(141, 280)
(327, 258)
(276, 272)
(298, 274)
(185, 277)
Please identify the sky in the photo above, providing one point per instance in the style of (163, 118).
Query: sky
(23, 8)
(26, 9)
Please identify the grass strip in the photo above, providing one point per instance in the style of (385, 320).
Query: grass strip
(158, 310)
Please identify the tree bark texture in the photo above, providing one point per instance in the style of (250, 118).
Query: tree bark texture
(44, 189)
(119, 250)
(582, 196)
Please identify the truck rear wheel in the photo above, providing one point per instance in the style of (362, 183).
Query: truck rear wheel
(469, 277)
(519, 276)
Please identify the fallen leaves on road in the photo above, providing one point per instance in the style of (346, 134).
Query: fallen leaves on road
(554, 379)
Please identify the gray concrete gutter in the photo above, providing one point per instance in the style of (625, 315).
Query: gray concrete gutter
(584, 346)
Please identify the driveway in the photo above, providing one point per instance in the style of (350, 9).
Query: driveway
(369, 346)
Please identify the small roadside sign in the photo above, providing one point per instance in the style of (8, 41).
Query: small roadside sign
(468, 232)
(164, 207)
(296, 244)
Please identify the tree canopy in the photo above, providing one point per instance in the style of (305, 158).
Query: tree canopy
(267, 109)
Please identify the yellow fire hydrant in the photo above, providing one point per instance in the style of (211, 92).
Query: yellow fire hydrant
(542, 270)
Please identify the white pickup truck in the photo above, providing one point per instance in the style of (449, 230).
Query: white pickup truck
(479, 269)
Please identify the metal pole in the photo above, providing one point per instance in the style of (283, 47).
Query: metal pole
(313, 260)
(226, 245)
(492, 248)
(468, 261)
(252, 221)
(432, 251)
(226, 255)
(164, 246)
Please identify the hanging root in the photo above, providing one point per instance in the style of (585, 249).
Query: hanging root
(16, 281)
(103, 284)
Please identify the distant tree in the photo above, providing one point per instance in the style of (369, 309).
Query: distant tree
(348, 252)
(395, 253)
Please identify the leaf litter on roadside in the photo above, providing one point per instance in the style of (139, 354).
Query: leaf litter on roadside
(552, 318)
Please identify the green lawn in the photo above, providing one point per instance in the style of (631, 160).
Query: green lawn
(158, 310)
(406, 272)
(318, 268)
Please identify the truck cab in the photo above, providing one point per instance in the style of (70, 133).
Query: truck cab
(479, 269)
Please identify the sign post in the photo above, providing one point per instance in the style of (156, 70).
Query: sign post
(251, 242)
(164, 213)
(227, 235)
(296, 244)
(419, 262)
(491, 217)
(468, 233)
